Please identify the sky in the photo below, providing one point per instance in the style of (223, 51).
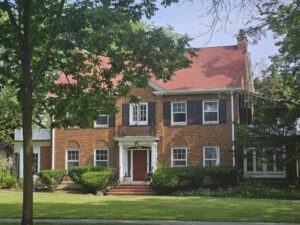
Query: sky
(185, 19)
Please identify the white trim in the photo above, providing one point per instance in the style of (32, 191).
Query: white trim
(66, 157)
(155, 86)
(131, 122)
(172, 113)
(218, 155)
(95, 160)
(53, 149)
(196, 91)
(186, 156)
(232, 130)
(101, 125)
(203, 112)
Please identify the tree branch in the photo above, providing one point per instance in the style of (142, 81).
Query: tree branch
(39, 123)
(50, 43)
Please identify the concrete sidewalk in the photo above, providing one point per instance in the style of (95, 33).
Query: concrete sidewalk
(155, 222)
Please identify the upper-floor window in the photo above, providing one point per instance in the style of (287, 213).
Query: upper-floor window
(211, 156)
(102, 121)
(210, 112)
(178, 113)
(139, 114)
(101, 157)
(179, 157)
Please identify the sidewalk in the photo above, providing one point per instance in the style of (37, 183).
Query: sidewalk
(148, 222)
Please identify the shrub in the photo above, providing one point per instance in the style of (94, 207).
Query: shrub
(97, 181)
(168, 179)
(76, 172)
(245, 190)
(6, 180)
(52, 178)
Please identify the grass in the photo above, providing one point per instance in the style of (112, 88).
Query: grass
(60, 205)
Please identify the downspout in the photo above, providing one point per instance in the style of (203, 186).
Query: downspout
(53, 148)
(232, 130)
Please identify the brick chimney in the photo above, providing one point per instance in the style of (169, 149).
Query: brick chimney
(242, 42)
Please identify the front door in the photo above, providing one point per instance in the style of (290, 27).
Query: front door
(139, 165)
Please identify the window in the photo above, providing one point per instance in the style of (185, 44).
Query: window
(211, 156)
(139, 114)
(35, 163)
(72, 158)
(101, 157)
(179, 157)
(210, 111)
(102, 121)
(264, 163)
(178, 112)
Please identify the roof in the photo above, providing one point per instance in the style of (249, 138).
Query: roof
(214, 68)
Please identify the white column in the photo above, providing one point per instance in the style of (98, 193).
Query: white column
(121, 163)
(21, 162)
(154, 156)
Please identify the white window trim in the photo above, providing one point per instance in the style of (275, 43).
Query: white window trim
(218, 155)
(101, 125)
(101, 160)
(203, 112)
(264, 173)
(131, 122)
(172, 114)
(66, 157)
(186, 156)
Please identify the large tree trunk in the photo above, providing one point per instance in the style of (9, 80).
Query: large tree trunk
(27, 108)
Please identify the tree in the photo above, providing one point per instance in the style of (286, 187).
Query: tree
(41, 39)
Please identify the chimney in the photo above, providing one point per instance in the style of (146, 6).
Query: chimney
(242, 42)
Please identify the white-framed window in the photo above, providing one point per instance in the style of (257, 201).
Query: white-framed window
(102, 121)
(264, 164)
(179, 157)
(211, 156)
(178, 113)
(210, 112)
(101, 157)
(138, 114)
(35, 163)
(73, 157)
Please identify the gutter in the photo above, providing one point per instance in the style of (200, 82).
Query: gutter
(53, 149)
(196, 91)
(232, 129)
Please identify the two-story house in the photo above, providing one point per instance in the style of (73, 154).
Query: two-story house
(187, 121)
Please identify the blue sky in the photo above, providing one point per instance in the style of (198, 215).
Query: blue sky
(185, 19)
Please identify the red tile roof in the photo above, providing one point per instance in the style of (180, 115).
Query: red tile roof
(215, 67)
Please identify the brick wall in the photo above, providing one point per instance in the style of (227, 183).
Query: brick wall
(194, 137)
(46, 158)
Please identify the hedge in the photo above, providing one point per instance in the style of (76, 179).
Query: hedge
(52, 178)
(168, 179)
(93, 182)
(6, 180)
(76, 172)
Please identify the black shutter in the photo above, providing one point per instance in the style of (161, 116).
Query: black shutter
(167, 113)
(222, 111)
(111, 120)
(191, 112)
(125, 114)
(151, 113)
(198, 112)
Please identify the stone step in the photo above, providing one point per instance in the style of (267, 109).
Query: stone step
(130, 190)
(129, 193)
(133, 186)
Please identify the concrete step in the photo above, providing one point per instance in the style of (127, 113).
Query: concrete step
(130, 190)
(129, 193)
(133, 186)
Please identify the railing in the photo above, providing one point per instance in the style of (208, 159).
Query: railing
(37, 134)
(148, 130)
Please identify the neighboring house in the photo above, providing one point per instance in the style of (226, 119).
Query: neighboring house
(187, 121)
(6, 156)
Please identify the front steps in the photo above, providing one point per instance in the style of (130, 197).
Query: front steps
(131, 188)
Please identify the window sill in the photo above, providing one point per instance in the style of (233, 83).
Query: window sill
(179, 124)
(211, 123)
(100, 126)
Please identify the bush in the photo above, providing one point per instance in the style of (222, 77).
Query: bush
(52, 178)
(76, 172)
(168, 179)
(246, 190)
(6, 180)
(97, 181)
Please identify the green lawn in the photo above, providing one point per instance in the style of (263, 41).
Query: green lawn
(60, 205)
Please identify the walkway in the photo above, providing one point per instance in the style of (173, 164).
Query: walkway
(148, 222)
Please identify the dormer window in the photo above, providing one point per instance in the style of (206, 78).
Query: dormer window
(139, 114)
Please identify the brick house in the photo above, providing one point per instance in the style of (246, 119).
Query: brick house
(187, 121)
